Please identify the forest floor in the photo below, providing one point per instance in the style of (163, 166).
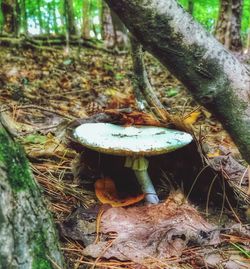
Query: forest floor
(43, 90)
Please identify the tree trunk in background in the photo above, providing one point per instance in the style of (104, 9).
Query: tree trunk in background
(70, 17)
(11, 20)
(40, 18)
(248, 42)
(191, 6)
(114, 32)
(55, 25)
(120, 32)
(48, 19)
(107, 27)
(229, 24)
(215, 77)
(28, 238)
(236, 42)
(106, 23)
(86, 19)
(23, 15)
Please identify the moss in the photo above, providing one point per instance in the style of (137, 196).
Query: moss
(2, 218)
(15, 162)
(40, 260)
(3, 262)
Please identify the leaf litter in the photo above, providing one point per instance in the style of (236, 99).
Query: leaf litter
(42, 92)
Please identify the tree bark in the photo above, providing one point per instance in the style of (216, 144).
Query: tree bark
(23, 15)
(28, 238)
(86, 19)
(145, 94)
(229, 24)
(120, 32)
(11, 21)
(215, 77)
(40, 18)
(70, 17)
(106, 23)
(114, 33)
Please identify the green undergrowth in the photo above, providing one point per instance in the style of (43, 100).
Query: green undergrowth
(15, 162)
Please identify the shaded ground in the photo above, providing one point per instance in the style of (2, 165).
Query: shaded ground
(41, 90)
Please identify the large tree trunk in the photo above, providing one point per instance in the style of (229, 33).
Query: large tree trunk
(215, 77)
(28, 238)
(229, 24)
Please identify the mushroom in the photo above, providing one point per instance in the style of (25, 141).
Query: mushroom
(134, 142)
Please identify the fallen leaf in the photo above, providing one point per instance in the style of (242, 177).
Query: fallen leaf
(192, 118)
(216, 153)
(106, 193)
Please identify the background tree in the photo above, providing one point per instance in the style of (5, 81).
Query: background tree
(86, 19)
(191, 6)
(10, 16)
(228, 28)
(70, 17)
(50, 17)
(23, 17)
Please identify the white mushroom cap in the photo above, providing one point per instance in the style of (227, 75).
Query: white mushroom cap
(130, 141)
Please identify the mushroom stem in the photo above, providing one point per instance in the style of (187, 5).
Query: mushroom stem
(147, 186)
(140, 166)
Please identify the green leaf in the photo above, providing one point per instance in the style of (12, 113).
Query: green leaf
(172, 92)
(34, 139)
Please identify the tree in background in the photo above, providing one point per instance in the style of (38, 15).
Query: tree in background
(92, 18)
(86, 21)
(191, 6)
(70, 17)
(23, 17)
(228, 28)
(114, 32)
(10, 16)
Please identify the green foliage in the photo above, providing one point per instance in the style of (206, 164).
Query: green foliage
(242, 250)
(35, 139)
(246, 18)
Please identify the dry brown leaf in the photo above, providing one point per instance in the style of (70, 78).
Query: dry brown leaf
(107, 194)
(192, 118)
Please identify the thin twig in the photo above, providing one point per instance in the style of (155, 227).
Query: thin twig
(39, 108)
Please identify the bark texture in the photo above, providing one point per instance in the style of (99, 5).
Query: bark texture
(70, 17)
(11, 20)
(86, 19)
(215, 77)
(28, 239)
(114, 33)
(229, 24)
